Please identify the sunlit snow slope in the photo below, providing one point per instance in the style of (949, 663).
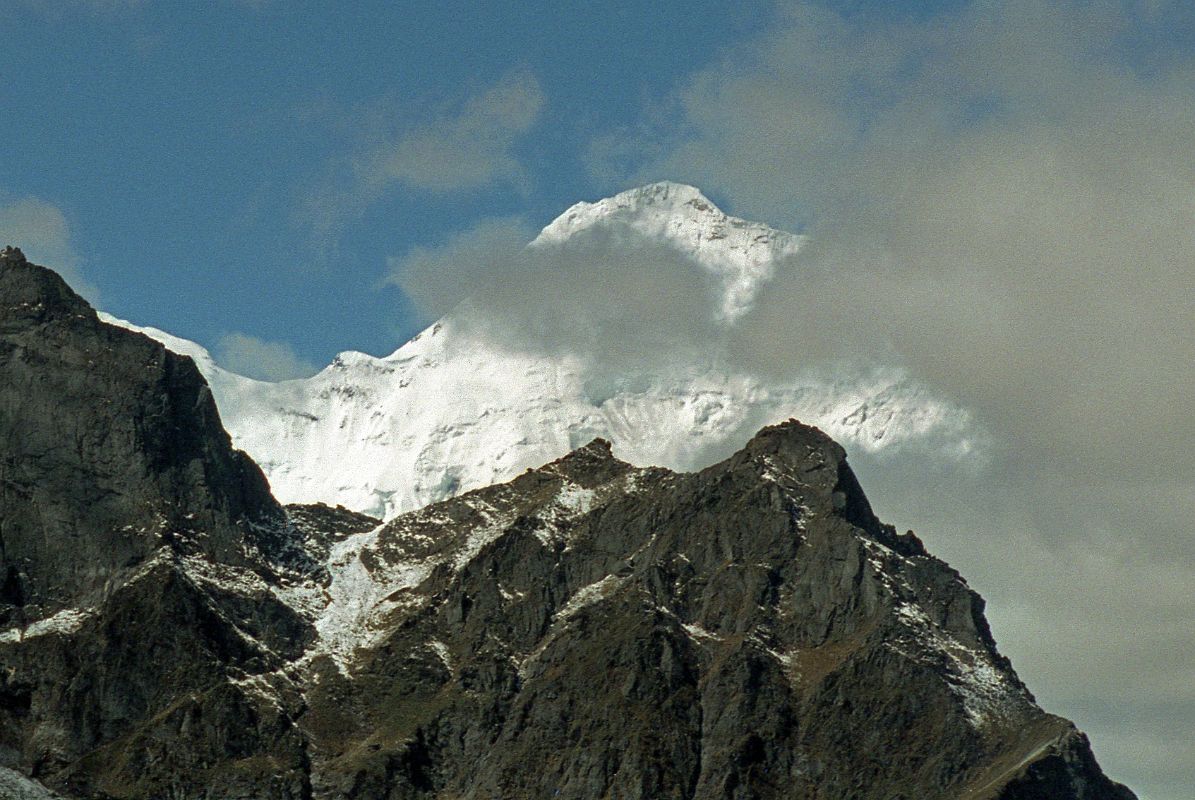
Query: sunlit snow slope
(450, 411)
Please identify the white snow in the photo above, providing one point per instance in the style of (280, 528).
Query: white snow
(510, 595)
(69, 620)
(971, 673)
(375, 573)
(741, 253)
(259, 686)
(449, 411)
(574, 500)
(588, 595)
(582, 598)
(357, 596)
(698, 632)
(441, 651)
(974, 679)
(786, 659)
(66, 621)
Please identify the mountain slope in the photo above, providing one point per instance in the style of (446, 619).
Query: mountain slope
(592, 629)
(588, 629)
(108, 431)
(454, 409)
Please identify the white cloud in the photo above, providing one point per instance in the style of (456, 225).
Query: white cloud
(42, 233)
(463, 146)
(257, 358)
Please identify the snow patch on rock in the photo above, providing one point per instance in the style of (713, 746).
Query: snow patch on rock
(979, 684)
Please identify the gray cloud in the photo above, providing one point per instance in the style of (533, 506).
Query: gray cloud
(264, 360)
(41, 230)
(1001, 200)
(1080, 591)
(439, 277)
(610, 296)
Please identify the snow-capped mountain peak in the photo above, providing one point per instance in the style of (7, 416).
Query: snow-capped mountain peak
(742, 254)
(668, 203)
(451, 410)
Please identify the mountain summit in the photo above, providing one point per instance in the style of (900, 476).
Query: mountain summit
(740, 254)
(588, 629)
(454, 410)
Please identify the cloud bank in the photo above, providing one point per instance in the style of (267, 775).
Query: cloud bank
(622, 302)
(1000, 200)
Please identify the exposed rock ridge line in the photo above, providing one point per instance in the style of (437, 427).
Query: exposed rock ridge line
(588, 629)
(110, 448)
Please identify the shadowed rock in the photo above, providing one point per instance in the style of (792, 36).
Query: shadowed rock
(590, 629)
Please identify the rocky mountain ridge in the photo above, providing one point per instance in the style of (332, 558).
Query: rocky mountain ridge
(587, 629)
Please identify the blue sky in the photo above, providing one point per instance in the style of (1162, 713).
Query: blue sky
(184, 143)
(1000, 197)
(204, 162)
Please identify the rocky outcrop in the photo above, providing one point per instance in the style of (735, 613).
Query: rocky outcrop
(110, 447)
(750, 631)
(122, 503)
(589, 629)
(322, 526)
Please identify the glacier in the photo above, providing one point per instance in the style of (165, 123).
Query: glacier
(454, 410)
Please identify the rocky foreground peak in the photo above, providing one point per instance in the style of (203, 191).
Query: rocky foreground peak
(589, 629)
(28, 291)
(110, 447)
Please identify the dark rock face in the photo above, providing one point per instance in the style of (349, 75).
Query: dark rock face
(321, 526)
(750, 631)
(110, 447)
(115, 474)
(587, 630)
